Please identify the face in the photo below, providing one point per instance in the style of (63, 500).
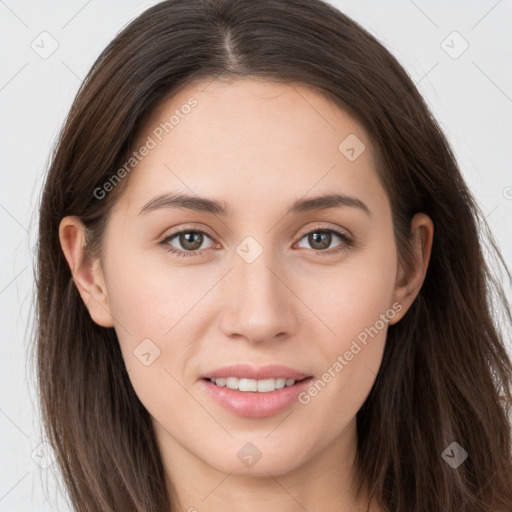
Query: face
(277, 285)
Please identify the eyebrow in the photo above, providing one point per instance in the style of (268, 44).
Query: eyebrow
(204, 204)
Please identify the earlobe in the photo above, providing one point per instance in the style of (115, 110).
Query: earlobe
(87, 273)
(408, 284)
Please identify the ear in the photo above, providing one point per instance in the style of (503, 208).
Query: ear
(87, 272)
(408, 284)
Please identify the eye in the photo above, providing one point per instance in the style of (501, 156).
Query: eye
(320, 239)
(190, 240)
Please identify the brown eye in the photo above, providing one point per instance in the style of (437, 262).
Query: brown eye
(189, 241)
(321, 239)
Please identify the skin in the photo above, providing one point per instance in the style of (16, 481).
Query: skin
(258, 146)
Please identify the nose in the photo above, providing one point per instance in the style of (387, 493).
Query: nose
(258, 304)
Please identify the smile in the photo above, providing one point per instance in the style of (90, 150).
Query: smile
(258, 386)
(254, 398)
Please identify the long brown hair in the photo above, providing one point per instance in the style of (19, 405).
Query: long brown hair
(445, 376)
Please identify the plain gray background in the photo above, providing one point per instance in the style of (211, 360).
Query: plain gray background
(469, 90)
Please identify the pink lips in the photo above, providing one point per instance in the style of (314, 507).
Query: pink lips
(252, 404)
(245, 371)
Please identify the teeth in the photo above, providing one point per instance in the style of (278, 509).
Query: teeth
(231, 382)
(260, 386)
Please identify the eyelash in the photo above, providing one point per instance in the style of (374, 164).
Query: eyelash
(347, 241)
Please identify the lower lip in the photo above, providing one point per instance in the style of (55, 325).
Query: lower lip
(253, 404)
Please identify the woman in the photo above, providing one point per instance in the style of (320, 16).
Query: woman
(261, 283)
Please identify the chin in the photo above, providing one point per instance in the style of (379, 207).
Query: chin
(257, 458)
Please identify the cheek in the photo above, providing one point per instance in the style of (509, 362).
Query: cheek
(148, 303)
(351, 298)
(357, 313)
(352, 356)
(144, 295)
(154, 305)
(355, 302)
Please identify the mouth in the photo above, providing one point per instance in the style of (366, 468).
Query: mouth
(252, 398)
(255, 385)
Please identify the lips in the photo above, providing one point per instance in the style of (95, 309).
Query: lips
(250, 402)
(255, 404)
(246, 371)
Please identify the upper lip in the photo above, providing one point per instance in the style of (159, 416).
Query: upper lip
(246, 371)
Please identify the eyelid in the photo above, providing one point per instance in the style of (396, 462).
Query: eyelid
(345, 236)
(325, 226)
(186, 229)
(305, 231)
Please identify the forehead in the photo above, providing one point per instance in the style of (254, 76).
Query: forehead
(245, 137)
(248, 109)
